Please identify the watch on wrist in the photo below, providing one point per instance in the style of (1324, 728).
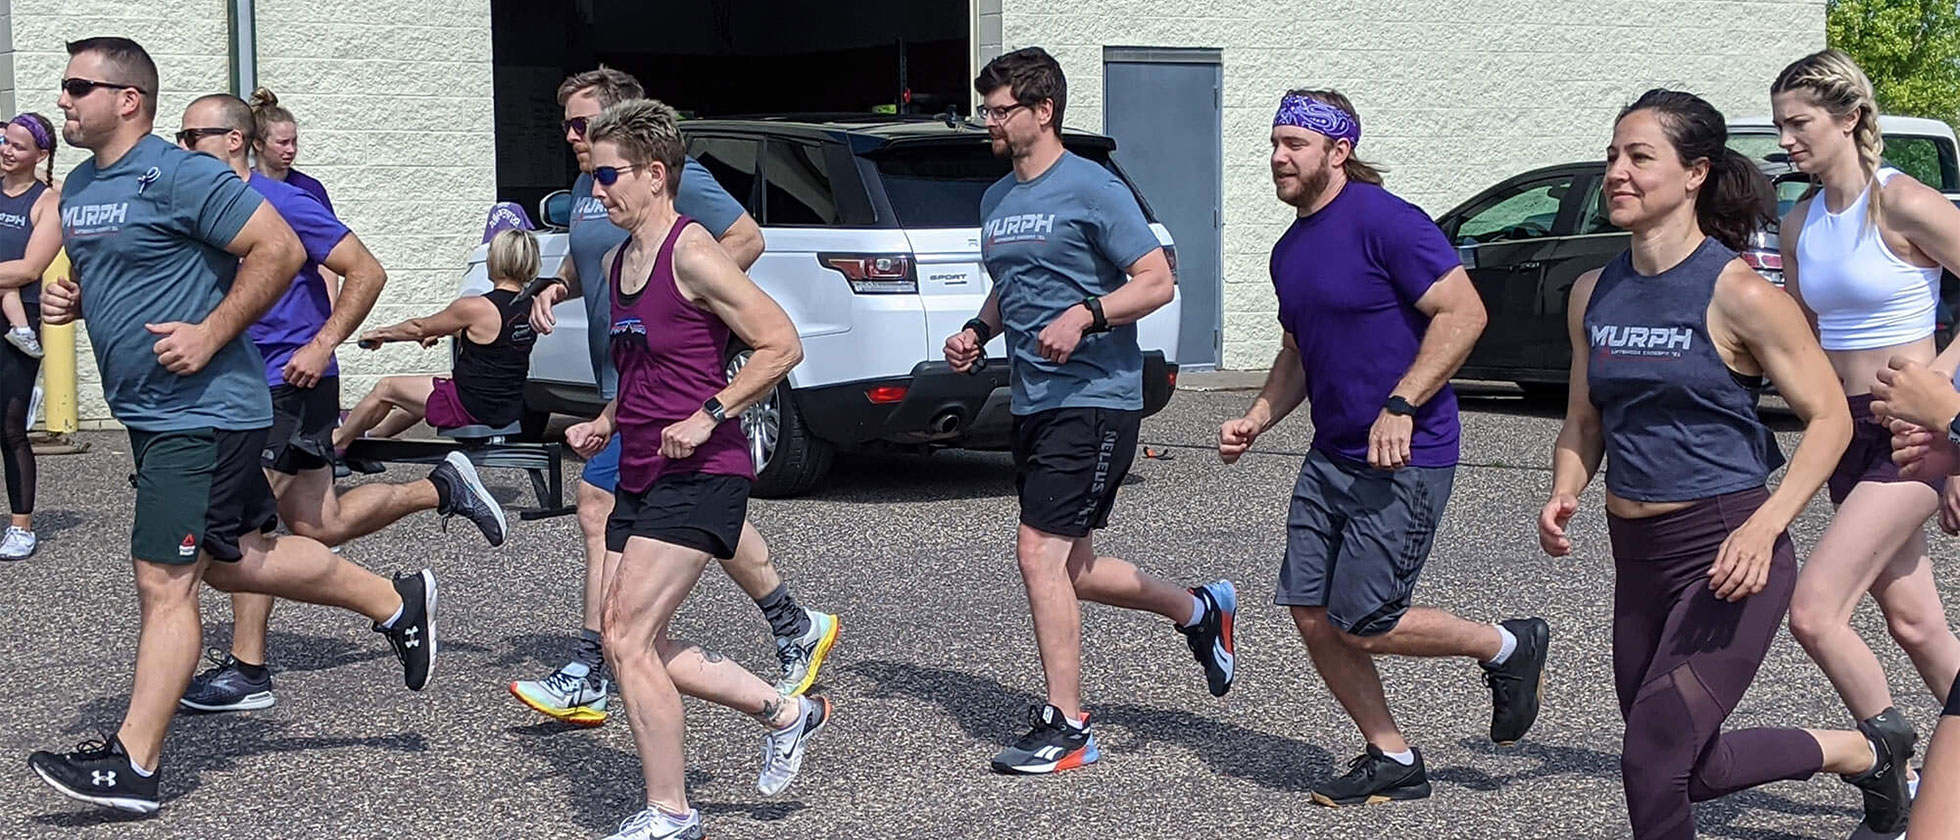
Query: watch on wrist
(1094, 305)
(713, 409)
(1953, 431)
(980, 330)
(1399, 407)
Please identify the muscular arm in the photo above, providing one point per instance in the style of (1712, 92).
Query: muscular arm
(358, 292)
(1773, 329)
(1456, 319)
(460, 315)
(1285, 388)
(1581, 439)
(269, 255)
(1786, 244)
(708, 276)
(1150, 287)
(743, 242)
(1932, 225)
(42, 244)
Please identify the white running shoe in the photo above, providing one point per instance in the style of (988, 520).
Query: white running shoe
(655, 824)
(18, 544)
(782, 749)
(23, 338)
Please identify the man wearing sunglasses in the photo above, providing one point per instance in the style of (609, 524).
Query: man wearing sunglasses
(178, 257)
(577, 692)
(298, 455)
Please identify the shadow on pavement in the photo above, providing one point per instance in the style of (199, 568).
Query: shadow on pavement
(895, 479)
(1553, 760)
(990, 712)
(603, 785)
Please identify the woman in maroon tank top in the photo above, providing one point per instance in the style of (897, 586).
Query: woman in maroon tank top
(684, 468)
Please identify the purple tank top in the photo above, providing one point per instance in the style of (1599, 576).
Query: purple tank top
(669, 356)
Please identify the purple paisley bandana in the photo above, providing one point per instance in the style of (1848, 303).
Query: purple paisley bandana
(42, 139)
(1315, 115)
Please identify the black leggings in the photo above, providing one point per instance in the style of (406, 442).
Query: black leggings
(1682, 660)
(17, 372)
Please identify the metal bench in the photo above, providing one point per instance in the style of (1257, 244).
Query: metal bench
(486, 447)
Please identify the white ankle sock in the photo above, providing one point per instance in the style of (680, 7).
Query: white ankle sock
(390, 623)
(1406, 758)
(1197, 611)
(1508, 643)
(139, 770)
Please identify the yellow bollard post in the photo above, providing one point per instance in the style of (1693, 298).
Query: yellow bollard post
(58, 404)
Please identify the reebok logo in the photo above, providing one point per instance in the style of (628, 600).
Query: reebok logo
(187, 548)
(1049, 753)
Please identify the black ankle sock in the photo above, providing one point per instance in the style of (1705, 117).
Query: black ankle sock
(443, 502)
(592, 651)
(786, 618)
(252, 672)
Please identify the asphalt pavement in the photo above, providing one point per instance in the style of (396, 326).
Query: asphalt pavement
(935, 670)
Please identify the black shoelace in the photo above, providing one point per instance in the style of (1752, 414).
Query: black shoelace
(92, 749)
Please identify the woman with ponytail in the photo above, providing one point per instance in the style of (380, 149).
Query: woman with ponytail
(276, 147)
(30, 237)
(1672, 343)
(1863, 255)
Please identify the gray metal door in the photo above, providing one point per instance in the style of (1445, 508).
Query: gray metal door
(1163, 108)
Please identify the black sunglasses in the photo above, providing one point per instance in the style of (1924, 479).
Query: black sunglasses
(190, 136)
(577, 125)
(609, 175)
(78, 88)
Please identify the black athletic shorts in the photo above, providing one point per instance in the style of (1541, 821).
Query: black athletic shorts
(1952, 700)
(701, 511)
(1068, 463)
(303, 420)
(198, 488)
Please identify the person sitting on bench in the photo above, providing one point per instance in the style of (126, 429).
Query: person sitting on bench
(493, 359)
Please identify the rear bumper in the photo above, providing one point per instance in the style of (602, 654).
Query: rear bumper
(938, 407)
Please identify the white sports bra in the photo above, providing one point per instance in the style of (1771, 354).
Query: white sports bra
(1864, 295)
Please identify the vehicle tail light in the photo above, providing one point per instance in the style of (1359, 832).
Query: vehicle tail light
(885, 394)
(1767, 263)
(874, 274)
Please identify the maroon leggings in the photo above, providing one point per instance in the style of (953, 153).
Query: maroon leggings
(1682, 659)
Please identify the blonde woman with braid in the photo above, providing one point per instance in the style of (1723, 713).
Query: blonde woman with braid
(1863, 254)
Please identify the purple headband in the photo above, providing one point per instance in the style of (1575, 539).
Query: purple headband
(42, 139)
(1314, 115)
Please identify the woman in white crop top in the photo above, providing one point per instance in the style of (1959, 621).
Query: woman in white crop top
(1864, 255)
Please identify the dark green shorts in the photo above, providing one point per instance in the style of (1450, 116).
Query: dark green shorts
(198, 488)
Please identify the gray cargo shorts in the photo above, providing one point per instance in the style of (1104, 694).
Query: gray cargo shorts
(1357, 537)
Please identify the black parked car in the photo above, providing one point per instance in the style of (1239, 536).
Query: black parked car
(1525, 242)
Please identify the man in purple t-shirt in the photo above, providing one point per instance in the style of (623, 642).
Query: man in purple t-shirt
(1378, 314)
(297, 337)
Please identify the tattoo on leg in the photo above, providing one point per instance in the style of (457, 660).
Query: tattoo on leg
(770, 710)
(707, 655)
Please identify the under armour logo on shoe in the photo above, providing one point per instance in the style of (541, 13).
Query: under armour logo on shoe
(412, 641)
(104, 778)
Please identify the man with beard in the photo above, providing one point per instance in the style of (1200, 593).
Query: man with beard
(1061, 236)
(1378, 314)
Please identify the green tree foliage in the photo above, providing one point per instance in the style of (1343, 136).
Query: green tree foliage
(1911, 51)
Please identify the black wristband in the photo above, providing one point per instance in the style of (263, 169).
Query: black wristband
(980, 329)
(713, 409)
(1101, 323)
(1399, 407)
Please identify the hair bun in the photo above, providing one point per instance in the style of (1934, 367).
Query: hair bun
(263, 98)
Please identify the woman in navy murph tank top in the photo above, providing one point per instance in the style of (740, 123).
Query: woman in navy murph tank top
(1672, 342)
(30, 237)
(685, 469)
(1864, 254)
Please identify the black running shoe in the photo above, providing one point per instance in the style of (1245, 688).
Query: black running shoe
(466, 495)
(1211, 638)
(1888, 796)
(414, 633)
(1518, 685)
(1053, 745)
(1373, 778)
(224, 687)
(98, 772)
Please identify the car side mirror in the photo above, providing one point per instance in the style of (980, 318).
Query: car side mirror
(556, 209)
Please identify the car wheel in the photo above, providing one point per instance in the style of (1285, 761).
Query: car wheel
(789, 460)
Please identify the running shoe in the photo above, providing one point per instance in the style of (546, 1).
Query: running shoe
(1517, 687)
(467, 496)
(655, 824)
(413, 635)
(18, 544)
(24, 338)
(782, 749)
(1211, 638)
(224, 687)
(1888, 792)
(1373, 778)
(98, 772)
(802, 656)
(574, 698)
(1053, 744)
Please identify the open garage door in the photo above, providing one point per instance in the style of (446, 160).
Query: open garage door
(717, 58)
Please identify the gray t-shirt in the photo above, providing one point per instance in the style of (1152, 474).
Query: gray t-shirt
(147, 237)
(1048, 243)
(700, 198)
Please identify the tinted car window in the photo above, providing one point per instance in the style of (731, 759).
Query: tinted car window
(732, 161)
(797, 184)
(1915, 156)
(1525, 211)
(940, 184)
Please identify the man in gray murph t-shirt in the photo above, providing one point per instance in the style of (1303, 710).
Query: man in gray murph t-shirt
(1075, 265)
(175, 257)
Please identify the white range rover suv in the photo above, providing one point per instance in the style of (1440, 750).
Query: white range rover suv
(872, 229)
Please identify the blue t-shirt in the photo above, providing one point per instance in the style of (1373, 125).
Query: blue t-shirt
(1348, 278)
(299, 314)
(1048, 243)
(147, 237)
(700, 198)
(307, 184)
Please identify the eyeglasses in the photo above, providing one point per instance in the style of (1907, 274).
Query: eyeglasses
(577, 125)
(609, 175)
(189, 136)
(78, 88)
(988, 114)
